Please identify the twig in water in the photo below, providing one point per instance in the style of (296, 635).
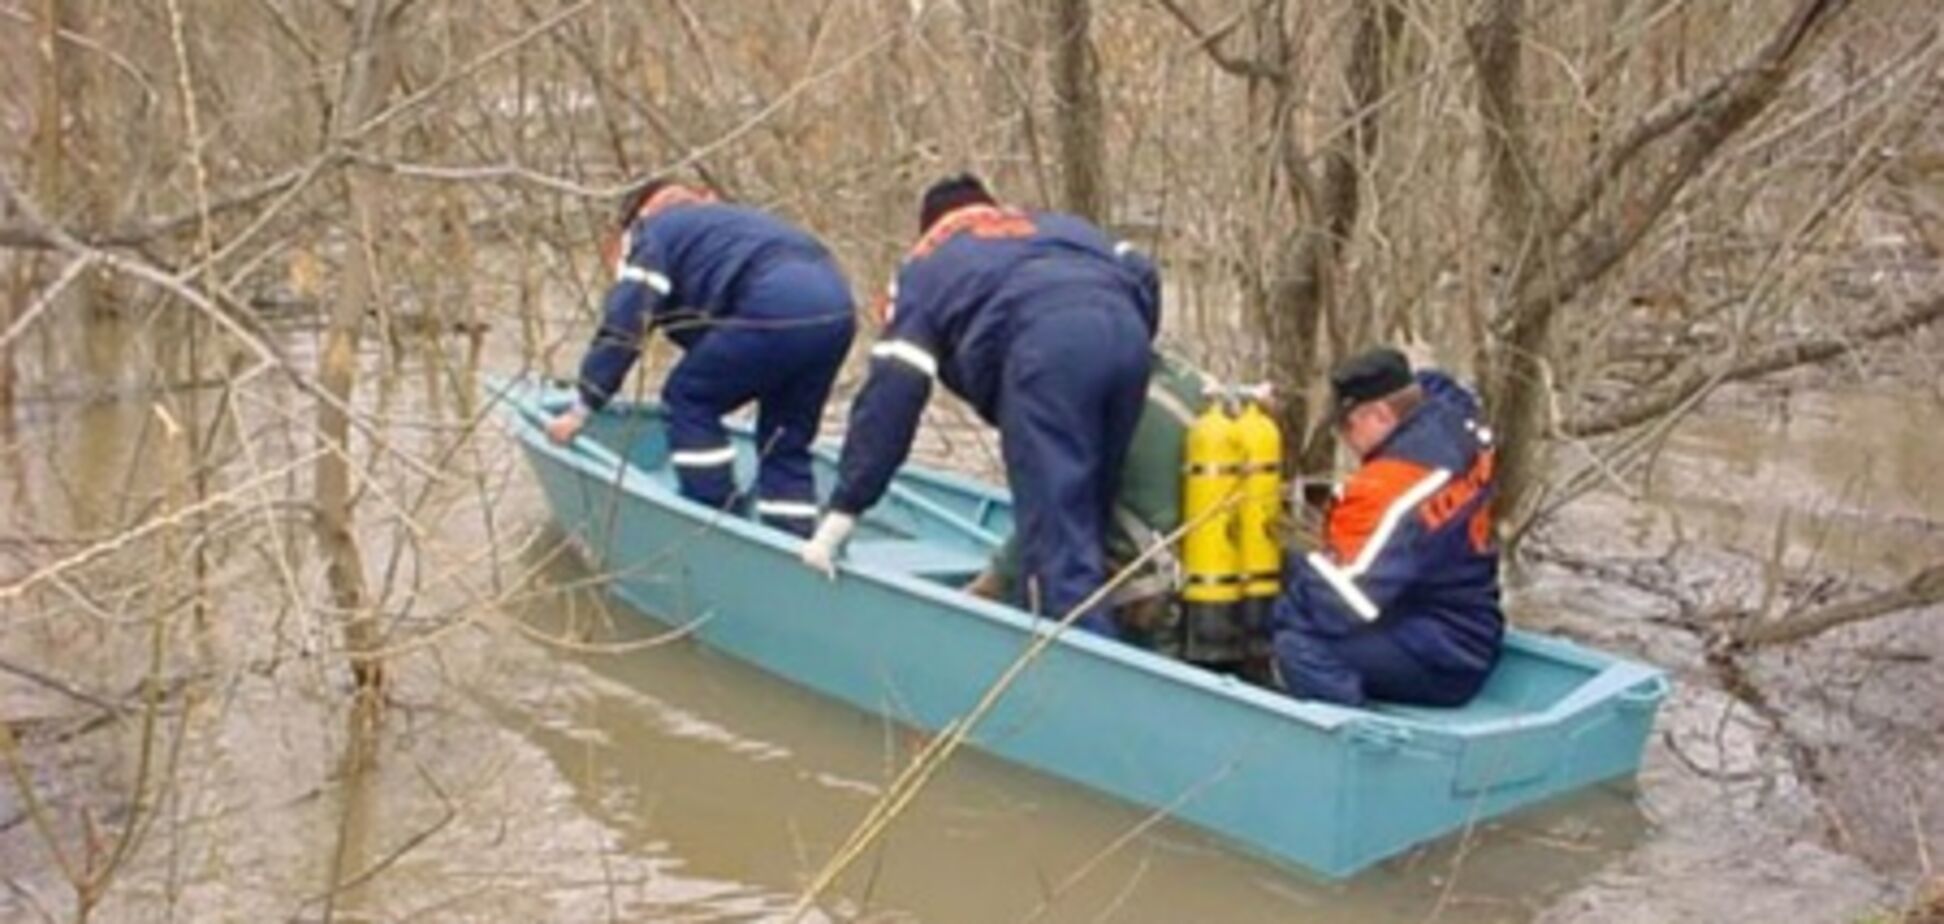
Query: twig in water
(59, 686)
(906, 787)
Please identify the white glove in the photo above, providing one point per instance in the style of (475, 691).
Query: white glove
(820, 553)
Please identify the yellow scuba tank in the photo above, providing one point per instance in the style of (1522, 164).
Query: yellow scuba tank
(1211, 560)
(1261, 509)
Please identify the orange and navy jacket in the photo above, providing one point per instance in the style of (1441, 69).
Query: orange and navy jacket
(954, 309)
(1408, 542)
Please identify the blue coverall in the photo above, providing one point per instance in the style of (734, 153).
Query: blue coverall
(1403, 602)
(1043, 325)
(762, 314)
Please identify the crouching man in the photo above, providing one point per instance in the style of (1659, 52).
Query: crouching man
(1402, 603)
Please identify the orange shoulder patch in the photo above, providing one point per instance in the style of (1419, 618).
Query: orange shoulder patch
(982, 221)
(1369, 493)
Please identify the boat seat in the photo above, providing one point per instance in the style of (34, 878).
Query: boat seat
(916, 557)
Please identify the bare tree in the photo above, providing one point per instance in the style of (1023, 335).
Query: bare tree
(1076, 87)
(1303, 299)
(367, 74)
(1551, 252)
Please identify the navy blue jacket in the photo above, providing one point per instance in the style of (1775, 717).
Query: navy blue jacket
(1408, 544)
(953, 313)
(682, 269)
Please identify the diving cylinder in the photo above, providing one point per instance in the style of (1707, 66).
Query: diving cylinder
(1259, 529)
(1211, 558)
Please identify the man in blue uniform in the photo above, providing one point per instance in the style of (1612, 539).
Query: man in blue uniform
(1402, 604)
(762, 314)
(1043, 325)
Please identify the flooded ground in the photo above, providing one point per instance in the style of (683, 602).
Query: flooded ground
(1830, 804)
(542, 762)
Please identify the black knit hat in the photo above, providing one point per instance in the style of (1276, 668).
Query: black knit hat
(948, 194)
(1367, 376)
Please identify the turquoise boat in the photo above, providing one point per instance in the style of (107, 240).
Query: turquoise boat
(1328, 789)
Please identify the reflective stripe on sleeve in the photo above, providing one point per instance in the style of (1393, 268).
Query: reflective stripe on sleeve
(910, 354)
(650, 278)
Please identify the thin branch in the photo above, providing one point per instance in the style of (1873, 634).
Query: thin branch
(59, 686)
(1674, 115)
(471, 173)
(36, 235)
(128, 537)
(1746, 93)
(36, 809)
(120, 61)
(1926, 588)
(943, 745)
(1700, 375)
(784, 99)
(474, 66)
(45, 300)
(1211, 41)
(641, 104)
(234, 322)
(31, 235)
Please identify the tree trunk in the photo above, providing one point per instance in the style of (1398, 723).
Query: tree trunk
(1076, 86)
(1515, 390)
(368, 73)
(365, 79)
(1306, 299)
(47, 137)
(1353, 155)
(47, 181)
(1299, 286)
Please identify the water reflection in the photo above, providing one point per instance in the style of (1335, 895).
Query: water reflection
(752, 782)
(1854, 474)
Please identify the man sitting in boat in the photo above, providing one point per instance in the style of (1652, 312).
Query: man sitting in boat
(1146, 511)
(762, 314)
(1402, 603)
(1042, 324)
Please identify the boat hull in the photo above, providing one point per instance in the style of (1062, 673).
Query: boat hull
(1325, 788)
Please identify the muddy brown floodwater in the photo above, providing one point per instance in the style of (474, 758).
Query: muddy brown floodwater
(1830, 813)
(592, 778)
(746, 784)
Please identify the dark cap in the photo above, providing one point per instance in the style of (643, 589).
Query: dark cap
(1367, 376)
(949, 194)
